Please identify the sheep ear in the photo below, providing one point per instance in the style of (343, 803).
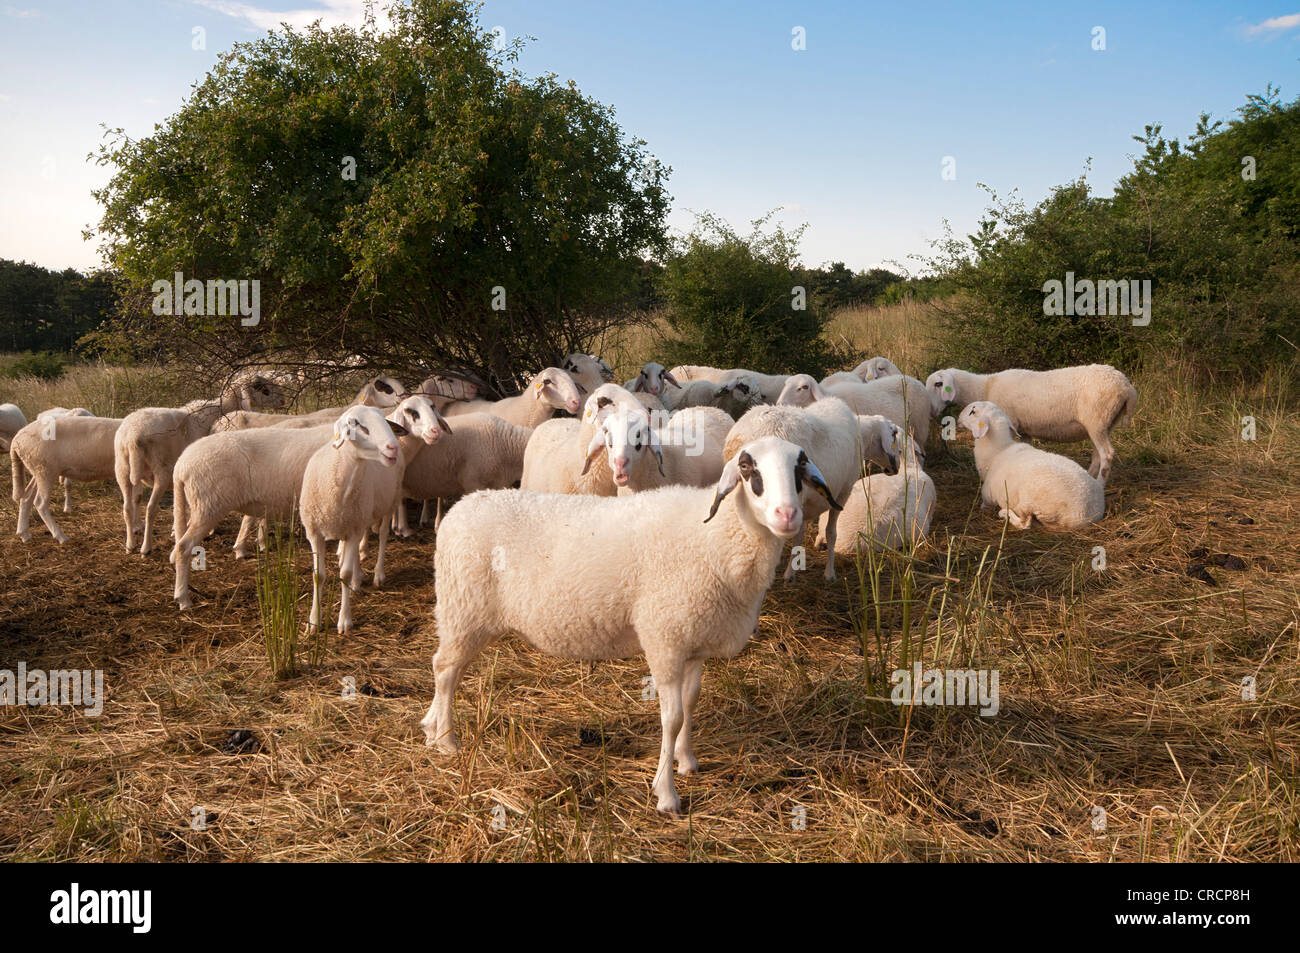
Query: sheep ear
(817, 392)
(980, 429)
(538, 387)
(442, 421)
(596, 446)
(726, 483)
(814, 476)
(672, 380)
(658, 450)
(1015, 434)
(244, 402)
(398, 430)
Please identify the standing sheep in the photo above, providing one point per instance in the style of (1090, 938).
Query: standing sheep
(549, 390)
(351, 485)
(1027, 483)
(58, 448)
(588, 371)
(531, 564)
(1066, 404)
(901, 398)
(688, 452)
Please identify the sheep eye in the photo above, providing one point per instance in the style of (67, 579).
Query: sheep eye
(382, 386)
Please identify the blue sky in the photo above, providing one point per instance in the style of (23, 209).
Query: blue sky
(848, 135)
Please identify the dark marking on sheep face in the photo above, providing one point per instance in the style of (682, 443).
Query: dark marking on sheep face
(749, 473)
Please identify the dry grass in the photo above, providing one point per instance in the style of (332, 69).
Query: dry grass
(1119, 689)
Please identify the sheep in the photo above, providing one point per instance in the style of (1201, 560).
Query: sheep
(1067, 404)
(830, 433)
(588, 371)
(382, 391)
(698, 372)
(869, 370)
(64, 412)
(557, 458)
(893, 511)
(768, 384)
(549, 390)
(151, 439)
(484, 453)
(586, 578)
(70, 447)
(641, 456)
(651, 380)
(901, 398)
(734, 397)
(351, 484)
(1027, 483)
(12, 420)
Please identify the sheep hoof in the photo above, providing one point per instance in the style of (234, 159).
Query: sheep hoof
(688, 765)
(185, 604)
(669, 805)
(25, 537)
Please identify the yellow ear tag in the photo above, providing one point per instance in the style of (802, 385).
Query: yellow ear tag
(981, 428)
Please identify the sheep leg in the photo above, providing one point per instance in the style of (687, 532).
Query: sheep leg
(1103, 454)
(832, 533)
(130, 507)
(402, 525)
(668, 683)
(198, 527)
(67, 495)
(448, 665)
(438, 518)
(317, 578)
(241, 541)
(43, 494)
(350, 577)
(789, 567)
(161, 484)
(25, 511)
(685, 754)
(382, 529)
(424, 513)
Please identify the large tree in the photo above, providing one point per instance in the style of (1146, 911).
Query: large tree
(391, 190)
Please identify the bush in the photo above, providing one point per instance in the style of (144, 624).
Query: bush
(742, 301)
(46, 365)
(1218, 247)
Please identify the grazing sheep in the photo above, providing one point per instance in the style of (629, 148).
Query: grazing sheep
(151, 439)
(484, 453)
(350, 485)
(901, 398)
(589, 579)
(687, 452)
(588, 371)
(49, 449)
(12, 420)
(651, 381)
(830, 432)
(549, 390)
(1067, 404)
(1027, 483)
(888, 510)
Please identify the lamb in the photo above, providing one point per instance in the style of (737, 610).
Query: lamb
(901, 398)
(588, 371)
(549, 390)
(829, 431)
(484, 453)
(651, 380)
(1028, 483)
(49, 449)
(893, 511)
(351, 484)
(151, 439)
(587, 578)
(12, 420)
(1066, 404)
(687, 452)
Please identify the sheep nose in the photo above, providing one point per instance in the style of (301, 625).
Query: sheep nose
(786, 514)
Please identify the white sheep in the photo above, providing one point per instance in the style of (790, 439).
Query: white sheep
(50, 449)
(893, 510)
(588, 371)
(830, 433)
(351, 485)
(150, 440)
(549, 390)
(12, 420)
(901, 398)
(1067, 404)
(64, 412)
(382, 391)
(644, 454)
(652, 380)
(1026, 483)
(556, 459)
(735, 397)
(483, 453)
(586, 578)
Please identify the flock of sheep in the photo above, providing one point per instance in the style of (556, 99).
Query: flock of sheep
(650, 522)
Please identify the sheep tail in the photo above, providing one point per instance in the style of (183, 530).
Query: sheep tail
(19, 473)
(1124, 416)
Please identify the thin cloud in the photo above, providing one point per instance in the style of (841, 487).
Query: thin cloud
(330, 13)
(1275, 24)
(17, 14)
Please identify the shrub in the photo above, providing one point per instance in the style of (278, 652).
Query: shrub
(45, 365)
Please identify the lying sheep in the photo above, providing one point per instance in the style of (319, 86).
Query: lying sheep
(150, 440)
(901, 398)
(483, 453)
(887, 510)
(48, 450)
(1066, 404)
(549, 390)
(530, 564)
(350, 485)
(1027, 483)
(687, 453)
(829, 431)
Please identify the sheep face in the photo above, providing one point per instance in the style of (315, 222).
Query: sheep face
(773, 472)
(942, 388)
(800, 391)
(455, 388)
(421, 419)
(558, 389)
(624, 435)
(881, 441)
(260, 393)
(588, 371)
(984, 416)
(879, 367)
(372, 436)
(606, 397)
(652, 379)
